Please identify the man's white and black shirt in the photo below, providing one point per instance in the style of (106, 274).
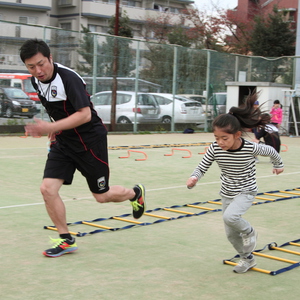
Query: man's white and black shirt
(64, 94)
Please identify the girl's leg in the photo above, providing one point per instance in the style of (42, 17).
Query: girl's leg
(235, 225)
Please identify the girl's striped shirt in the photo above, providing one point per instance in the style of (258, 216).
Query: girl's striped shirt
(238, 171)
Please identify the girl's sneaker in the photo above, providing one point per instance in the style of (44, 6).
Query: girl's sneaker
(245, 264)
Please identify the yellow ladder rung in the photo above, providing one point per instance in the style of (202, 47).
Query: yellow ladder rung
(285, 250)
(297, 189)
(254, 268)
(200, 207)
(276, 195)
(126, 220)
(294, 244)
(214, 202)
(287, 192)
(157, 216)
(179, 211)
(263, 198)
(55, 229)
(95, 225)
(275, 258)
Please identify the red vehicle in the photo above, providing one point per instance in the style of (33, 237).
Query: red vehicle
(21, 81)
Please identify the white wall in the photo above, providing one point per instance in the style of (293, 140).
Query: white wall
(268, 93)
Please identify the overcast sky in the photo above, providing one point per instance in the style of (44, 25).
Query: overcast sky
(207, 4)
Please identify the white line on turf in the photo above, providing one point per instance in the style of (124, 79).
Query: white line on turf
(149, 190)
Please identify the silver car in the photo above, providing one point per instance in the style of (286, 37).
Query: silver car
(185, 110)
(147, 109)
(199, 98)
(217, 104)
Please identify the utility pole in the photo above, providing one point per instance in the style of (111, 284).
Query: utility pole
(115, 70)
(297, 73)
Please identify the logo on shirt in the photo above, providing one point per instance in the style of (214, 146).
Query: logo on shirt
(101, 183)
(53, 91)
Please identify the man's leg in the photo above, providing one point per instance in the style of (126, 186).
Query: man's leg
(119, 193)
(57, 212)
(116, 193)
(54, 204)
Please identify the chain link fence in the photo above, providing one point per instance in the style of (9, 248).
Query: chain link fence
(141, 66)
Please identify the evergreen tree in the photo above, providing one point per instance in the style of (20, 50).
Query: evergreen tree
(86, 50)
(178, 36)
(272, 36)
(124, 54)
(105, 51)
(124, 28)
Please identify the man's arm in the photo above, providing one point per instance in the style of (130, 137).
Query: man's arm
(41, 127)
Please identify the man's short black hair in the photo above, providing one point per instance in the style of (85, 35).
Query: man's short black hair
(33, 47)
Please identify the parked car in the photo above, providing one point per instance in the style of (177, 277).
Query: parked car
(14, 101)
(217, 104)
(185, 111)
(199, 98)
(147, 109)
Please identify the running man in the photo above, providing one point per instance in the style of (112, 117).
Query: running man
(78, 141)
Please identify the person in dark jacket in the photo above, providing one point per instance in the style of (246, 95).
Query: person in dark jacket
(270, 135)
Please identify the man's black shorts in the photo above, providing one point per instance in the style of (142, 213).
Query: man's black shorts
(93, 165)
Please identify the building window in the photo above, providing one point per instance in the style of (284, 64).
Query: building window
(66, 26)
(128, 3)
(174, 10)
(157, 7)
(92, 28)
(104, 29)
(292, 16)
(28, 20)
(64, 58)
(65, 2)
(18, 31)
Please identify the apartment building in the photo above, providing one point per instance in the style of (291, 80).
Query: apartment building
(247, 9)
(94, 14)
(70, 15)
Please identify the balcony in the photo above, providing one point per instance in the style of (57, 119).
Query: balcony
(35, 5)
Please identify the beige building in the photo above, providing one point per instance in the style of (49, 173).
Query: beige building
(70, 15)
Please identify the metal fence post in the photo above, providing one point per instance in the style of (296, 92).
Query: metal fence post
(207, 88)
(94, 64)
(174, 86)
(136, 87)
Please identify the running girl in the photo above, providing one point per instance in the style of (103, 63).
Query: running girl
(235, 157)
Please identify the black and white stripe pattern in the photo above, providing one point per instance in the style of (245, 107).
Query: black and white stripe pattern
(238, 169)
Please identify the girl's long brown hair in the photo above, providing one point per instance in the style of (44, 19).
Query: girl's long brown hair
(242, 118)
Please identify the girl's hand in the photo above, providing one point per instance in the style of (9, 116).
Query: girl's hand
(191, 182)
(277, 171)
